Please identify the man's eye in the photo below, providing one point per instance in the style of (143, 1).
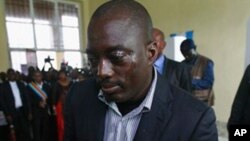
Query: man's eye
(118, 55)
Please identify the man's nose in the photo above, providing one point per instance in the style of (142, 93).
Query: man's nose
(105, 68)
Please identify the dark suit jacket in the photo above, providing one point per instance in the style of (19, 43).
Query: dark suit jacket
(174, 116)
(8, 101)
(177, 74)
(240, 113)
(34, 99)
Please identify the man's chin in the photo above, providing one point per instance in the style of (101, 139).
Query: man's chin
(113, 98)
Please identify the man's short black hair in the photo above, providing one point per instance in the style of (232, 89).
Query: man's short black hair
(10, 70)
(188, 44)
(134, 10)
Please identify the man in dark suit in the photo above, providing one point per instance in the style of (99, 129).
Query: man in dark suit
(240, 114)
(201, 70)
(3, 123)
(128, 101)
(175, 72)
(16, 107)
(40, 97)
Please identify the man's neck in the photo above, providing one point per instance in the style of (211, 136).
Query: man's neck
(39, 83)
(125, 108)
(159, 55)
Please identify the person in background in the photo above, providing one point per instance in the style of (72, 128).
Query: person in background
(74, 74)
(81, 77)
(50, 78)
(2, 77)
(177, 73)
(202, 71)
(16, 106)
(3, 122)
(31, 69)
(128, 100)
(40, 96)
(21, 78)
(60, 91)
(240, 113)
(18, 76)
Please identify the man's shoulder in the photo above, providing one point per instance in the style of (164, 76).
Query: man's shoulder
(87, 85)
(248, 69)
(83, 96)
(20, 83)
(173, 64)
(186, 103)
(5, 83)
(247, 74)
(198, 118)
(179, 98)
(205, 58)
(178, 66)
(87, 88)
(171, 61)
(183, 107)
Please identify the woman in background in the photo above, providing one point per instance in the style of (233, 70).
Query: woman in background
(61, 88)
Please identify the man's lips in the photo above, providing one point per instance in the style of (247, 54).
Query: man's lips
(109, 87)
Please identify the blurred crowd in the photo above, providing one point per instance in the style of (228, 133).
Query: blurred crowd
(31, 106)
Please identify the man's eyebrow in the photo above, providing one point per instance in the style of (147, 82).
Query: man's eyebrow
(118, 48)
(110, 50)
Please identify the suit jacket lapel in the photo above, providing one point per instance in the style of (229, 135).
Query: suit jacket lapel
(153, 122)
(99, 115)
(9, 92)
(96, 119)
(167, 68)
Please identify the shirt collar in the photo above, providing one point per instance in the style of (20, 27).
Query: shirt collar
(40, 85)
(147, 102)
(159, 63)
(12, 82)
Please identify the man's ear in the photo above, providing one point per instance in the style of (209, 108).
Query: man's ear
(152, 52)
(161, 45)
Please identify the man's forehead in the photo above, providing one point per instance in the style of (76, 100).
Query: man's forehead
(109, 26)
(157, 32)
(37, 73)
(116, 32)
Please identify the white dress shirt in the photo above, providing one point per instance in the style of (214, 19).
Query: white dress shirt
(16, 94)
(123, 128)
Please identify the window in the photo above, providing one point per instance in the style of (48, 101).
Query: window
(18, 59)
(44, 54)
(40, 28)
(73, 59)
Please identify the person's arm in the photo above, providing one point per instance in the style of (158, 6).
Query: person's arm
(5, 104)
(241, 98)
(208, 78)
(2, 102)
(206, 128)
(69, 129)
